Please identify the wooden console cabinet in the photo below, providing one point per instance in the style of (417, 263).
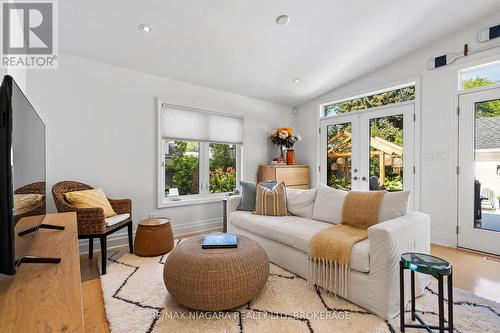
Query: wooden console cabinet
(294, 176)
(46, 297)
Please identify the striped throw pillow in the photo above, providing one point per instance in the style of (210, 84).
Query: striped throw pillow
(271, 202)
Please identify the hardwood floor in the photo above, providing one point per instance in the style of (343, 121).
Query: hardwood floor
(472, 271)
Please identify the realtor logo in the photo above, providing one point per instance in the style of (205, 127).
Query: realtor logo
(29, 34)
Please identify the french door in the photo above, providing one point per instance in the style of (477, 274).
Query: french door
(479, 171)
(369, 150)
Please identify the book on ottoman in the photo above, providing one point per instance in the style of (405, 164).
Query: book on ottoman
(219, 240)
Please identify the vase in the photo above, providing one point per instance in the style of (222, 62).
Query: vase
(290, 157)
(283, 152)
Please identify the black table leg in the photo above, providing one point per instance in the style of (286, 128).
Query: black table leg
(413, 295)
(130, 241)
(441, 303)
(104, 256)
(402, 296)
(450, 303)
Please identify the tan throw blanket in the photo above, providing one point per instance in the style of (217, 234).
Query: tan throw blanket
(330, 250)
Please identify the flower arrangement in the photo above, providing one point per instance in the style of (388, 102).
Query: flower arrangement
(284, 137)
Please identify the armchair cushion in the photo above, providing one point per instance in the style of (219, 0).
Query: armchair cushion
(94, 198)
(116, 219)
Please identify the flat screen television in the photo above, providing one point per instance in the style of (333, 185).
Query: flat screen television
(22, 174)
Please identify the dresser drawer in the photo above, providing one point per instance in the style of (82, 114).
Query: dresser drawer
(293, 176)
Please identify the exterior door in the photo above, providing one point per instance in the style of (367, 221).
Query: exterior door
(479, 171)
(387, 149)
(369, 150)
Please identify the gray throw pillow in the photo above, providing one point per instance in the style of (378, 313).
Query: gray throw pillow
(249, 192)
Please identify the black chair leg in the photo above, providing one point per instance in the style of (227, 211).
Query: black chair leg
(130, 241)
(91, 248)
(104, 255)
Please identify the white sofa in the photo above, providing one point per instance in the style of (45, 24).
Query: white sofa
(374, 261)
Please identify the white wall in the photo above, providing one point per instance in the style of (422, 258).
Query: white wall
(101, 130)
(438, 133)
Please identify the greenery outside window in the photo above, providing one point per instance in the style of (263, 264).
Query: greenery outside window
(200, 154)
(222, 173)
(480, 76)
(392, 96)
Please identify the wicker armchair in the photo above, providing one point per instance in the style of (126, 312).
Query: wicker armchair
(91, 221)
(34, 188)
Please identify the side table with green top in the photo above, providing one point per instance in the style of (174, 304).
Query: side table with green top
(430, 265)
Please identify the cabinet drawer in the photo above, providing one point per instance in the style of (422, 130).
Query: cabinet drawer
(293, 176)
(300, 187)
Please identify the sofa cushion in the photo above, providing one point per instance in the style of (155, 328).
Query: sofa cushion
(301, 202)
(328, 204)
(248, 193)
(296, 232)
(394, 204)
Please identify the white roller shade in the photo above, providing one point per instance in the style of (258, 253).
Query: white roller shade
(198, 125)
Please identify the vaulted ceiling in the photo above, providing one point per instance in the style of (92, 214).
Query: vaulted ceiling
(236, 45)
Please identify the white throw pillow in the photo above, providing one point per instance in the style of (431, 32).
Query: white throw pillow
(300, 202)
(328, 204)
(394, 204)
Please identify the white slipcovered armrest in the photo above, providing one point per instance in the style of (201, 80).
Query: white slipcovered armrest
(233, 202)
(388, 240)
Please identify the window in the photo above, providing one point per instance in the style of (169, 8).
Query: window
(200, 154)
(480, 76)
(392, 96)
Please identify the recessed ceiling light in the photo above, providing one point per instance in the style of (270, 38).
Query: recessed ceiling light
(282, 19)
(145, 28)
(295, 80)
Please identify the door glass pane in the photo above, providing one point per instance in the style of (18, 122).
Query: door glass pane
(386, 153)
(487, 165)
(222, 171)
(182, 159)
(339, 155)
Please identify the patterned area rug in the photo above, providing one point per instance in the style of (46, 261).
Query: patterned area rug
(136, 300)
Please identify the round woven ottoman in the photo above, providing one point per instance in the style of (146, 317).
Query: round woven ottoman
(153, 237)
(215, 279)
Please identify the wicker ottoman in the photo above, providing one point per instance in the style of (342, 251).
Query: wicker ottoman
(215, 279)
(153, 237)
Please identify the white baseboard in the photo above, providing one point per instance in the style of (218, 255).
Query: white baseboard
(121, 237)
(440, 238)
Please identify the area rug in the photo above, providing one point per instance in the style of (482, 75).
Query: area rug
(136, 300)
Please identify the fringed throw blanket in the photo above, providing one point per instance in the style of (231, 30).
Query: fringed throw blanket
(330, 250)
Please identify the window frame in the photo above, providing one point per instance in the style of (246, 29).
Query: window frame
(204, 195)
(368, 93)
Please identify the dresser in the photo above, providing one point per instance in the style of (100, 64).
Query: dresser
(294, 176)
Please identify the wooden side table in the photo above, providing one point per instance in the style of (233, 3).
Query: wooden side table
(153, 237)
